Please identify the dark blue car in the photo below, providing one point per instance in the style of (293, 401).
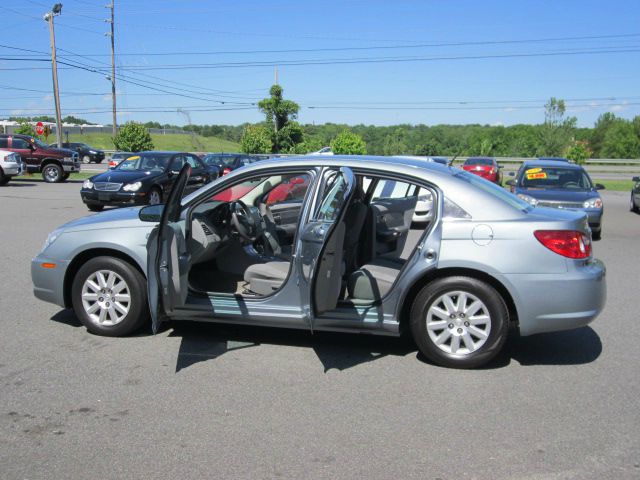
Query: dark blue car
(556, 184)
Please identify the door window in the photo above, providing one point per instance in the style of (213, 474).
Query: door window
(335, 189)
(20, 143)
(4, 142)
(193, 161)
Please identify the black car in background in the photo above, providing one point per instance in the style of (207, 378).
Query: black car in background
(227, 162)
(144, 178)
(634, 204)
(86, 153)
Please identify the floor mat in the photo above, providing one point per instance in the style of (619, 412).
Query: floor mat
(216, 281)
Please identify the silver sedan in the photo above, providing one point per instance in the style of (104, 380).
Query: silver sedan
(329, 244)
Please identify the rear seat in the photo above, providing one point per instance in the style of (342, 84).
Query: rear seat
(374, 280)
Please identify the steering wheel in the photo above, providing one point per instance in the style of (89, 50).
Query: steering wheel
(243, 221)
(571, 185)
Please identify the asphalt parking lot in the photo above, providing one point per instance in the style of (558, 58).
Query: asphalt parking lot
(206, 401)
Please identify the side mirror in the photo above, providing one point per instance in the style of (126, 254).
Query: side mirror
(511, 183)
(512, 174)
(636, 179)
(599, 186)
(151, 213)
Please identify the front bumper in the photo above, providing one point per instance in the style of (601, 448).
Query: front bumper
(13, 169)
(553, 302)
(48, 283)
(116, 199)
(71, 166)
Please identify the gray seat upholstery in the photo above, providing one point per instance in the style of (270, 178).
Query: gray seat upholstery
(266, 278)
(374, 280)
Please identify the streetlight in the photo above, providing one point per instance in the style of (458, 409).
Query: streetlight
(55, 10)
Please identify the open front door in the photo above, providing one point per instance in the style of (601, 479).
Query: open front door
(168, 260)
(322, 240)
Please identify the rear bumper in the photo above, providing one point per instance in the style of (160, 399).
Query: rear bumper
(553, 302)
(12, 169)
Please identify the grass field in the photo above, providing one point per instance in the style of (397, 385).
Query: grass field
(170, 141)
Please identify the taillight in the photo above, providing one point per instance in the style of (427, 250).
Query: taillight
(226, 170)
(568, 243)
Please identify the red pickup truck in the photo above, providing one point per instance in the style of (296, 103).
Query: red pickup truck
(55, 164)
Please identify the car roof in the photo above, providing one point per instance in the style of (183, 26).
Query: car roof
(550, 163)
(554, 159)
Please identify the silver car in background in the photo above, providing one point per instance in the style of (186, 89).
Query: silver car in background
(320, 244)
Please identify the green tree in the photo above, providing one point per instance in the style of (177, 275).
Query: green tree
(256, 139)
(557, 131)
(604, 122)
(26, 128)
(578, 153)
(133, 137)
(620, 141)
(278, 112)
(426, 149)
(289, 136)
(395, 143)
(348, 143)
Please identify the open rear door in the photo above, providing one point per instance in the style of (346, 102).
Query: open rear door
(168, 260)
(323, 244)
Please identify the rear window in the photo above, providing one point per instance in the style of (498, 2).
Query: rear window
(478, 161)
(494, 190)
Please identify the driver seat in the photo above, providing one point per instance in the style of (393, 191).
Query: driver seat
(266, 278)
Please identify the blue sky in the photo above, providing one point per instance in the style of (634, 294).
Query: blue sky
(489, 62)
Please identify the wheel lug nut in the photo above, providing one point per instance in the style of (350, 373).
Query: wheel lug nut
(461, 315)
(452, 316)
(108, 305)
(466, 324)
(459, 330)
(450, 325)
(101, 299)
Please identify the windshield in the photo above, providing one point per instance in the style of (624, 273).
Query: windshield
(478, 161)
(555, 178)
(144, 163)
(219, 160)
(494, 190)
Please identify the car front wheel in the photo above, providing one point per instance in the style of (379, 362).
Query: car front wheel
(86, 159)
(155, 196)
(52, 173)
(459, 322)
(632, 205)
(109, 297)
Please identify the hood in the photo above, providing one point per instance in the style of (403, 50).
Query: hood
(115, 218)
(563, 195)
(118, 176)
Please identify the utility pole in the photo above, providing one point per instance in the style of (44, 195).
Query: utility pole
(56, 10)
(113, 65)
(275, 76)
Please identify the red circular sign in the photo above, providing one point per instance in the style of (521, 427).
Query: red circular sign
(39, 128)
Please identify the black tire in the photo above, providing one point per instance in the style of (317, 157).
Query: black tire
(632, 205)
(65, 176)
(138, 312)
(596, 235)
(52, 173)
(86, 159)
(157, 191)
(95, 207)
(498, 323)
(3, 178)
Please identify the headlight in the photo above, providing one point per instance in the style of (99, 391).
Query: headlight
(88, 184)
(52, 237)
(530, 200)
(92, 152)
(132, 187)
(593, 203)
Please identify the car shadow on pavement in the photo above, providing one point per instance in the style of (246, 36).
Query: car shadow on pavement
(340, 351)
(67, 317)
(18, 184)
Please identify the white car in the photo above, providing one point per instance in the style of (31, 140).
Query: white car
(10, 166)
(323, 151)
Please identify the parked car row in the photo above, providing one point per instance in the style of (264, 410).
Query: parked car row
(86, 153)
(54, 164)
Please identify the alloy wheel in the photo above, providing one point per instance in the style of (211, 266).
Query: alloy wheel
(458, 323)
(106, 298)
(154, 197)
(51, 173)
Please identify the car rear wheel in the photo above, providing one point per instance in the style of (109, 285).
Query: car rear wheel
(459, 322)
(109, 297)
(155, 196)
(95, 207)
(52, 173)
(3, 178)
(86, 159)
